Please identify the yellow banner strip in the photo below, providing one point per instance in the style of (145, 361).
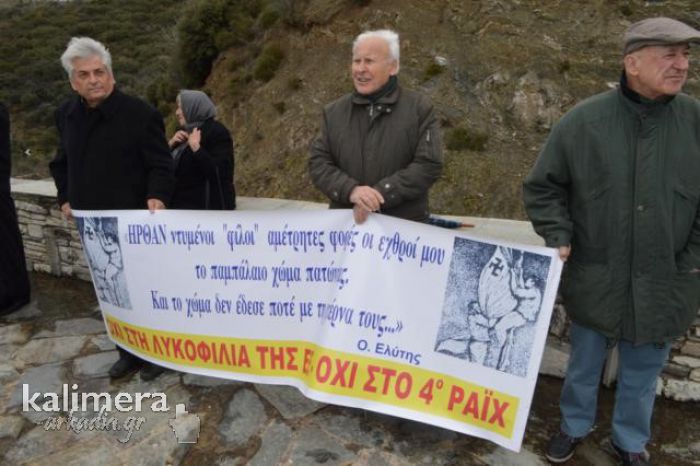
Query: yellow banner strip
(329, 371)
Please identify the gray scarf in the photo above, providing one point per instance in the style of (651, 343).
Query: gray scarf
(197, 108)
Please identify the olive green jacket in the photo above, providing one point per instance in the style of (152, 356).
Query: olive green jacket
(392, 145)
(619, 181)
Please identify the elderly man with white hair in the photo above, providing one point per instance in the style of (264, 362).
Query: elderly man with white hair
(112, 152)
(379, 146)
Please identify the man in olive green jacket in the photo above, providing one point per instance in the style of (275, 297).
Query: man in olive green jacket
(617, 189)
(379, 147)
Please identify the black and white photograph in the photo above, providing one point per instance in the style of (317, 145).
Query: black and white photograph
(492, 303)
(100, 237)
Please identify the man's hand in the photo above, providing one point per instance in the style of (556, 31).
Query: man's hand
(155, 204)
(67, 211)
(367, 197)
(564, 252)
(195, 139)
(360, 214)
(178, 138)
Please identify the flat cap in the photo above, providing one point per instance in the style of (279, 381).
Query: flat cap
(658, 31)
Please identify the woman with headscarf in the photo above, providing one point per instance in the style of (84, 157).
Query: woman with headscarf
(202, 151)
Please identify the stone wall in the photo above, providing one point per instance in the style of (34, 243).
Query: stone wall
(52, 245)
(680, 379)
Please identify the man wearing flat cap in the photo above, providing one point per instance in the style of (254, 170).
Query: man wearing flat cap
(616, 189)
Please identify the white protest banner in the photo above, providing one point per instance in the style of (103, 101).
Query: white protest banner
(392, 316)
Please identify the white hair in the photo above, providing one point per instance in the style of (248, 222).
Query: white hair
(85, 47)
(387, 35)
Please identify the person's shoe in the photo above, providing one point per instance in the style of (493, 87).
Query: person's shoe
(628, 458)
(561, 447)
(124, 366)
(150, 371)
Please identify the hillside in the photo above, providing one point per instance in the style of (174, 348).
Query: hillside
(511, 69)
(499, 72)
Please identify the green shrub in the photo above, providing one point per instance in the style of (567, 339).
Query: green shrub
(162, 92)
(294, 83)
(238, 82)
(207, 28)
(463, 138)
(196, 33)
(267, 63)
(235, 63)
(281, 107)
(268, 17)
(238, 32)
(432, 70)
(29, 100)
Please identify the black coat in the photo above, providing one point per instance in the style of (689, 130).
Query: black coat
(5, 155)
(112, 157)
(14, 282)
(204, 180)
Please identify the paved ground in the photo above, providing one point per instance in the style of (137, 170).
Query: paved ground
(60, 339)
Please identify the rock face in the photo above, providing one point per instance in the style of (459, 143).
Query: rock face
(46, 350)
(506, 69)
(10, 426)
(275, 441)
(94, 365)
(13, 334)
(682, 390)
(204, 381)
(49, 378)
(536, 103)
(244, 417)
(72, 327)
(289, 401)
(555, 359)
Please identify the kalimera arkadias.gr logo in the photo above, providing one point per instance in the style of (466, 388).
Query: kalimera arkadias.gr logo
(91, 411)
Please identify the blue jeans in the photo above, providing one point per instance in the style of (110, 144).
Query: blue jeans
(639, 369)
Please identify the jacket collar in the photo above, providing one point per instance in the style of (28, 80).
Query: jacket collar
(639, 102)
(107, 108)
(389, 98)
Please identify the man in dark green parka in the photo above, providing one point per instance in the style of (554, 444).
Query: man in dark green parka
(617, 190)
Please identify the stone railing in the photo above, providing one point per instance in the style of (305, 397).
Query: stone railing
(52, 245)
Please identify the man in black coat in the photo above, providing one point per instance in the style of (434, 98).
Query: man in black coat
(112, 153)
(14, 281)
